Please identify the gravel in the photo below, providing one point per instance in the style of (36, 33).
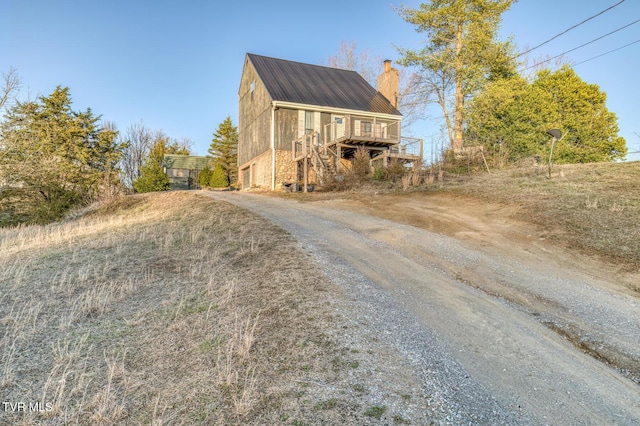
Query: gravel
(435, 348)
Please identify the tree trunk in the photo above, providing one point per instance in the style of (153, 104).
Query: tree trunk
(457, 121)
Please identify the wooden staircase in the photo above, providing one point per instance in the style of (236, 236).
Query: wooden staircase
(307, 156)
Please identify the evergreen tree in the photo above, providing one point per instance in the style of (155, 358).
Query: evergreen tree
(218, 177)
(204, 177)
(512, 116)
(224, 149)
(461, 52)
(53, 158)
(152, 176)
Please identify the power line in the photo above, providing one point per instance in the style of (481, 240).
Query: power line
(569, 29)
(606, 53)
(582, 45)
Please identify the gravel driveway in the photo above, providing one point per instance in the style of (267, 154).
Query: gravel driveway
(501, 338)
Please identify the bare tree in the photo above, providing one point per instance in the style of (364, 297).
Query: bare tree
(410, 98)
(10, 87)
(364, 63)
(139, 141)
(530, 66)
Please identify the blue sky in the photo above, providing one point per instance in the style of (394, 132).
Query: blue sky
(176, 65)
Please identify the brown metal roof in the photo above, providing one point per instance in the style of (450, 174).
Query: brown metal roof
(308, 84)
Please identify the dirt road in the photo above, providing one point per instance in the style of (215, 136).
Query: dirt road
(521, 331)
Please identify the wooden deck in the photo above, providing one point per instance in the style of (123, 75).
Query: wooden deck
(361, 130)
(323, 155)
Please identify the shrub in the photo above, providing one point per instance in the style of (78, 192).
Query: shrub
(361, 165)
(395, 170)
(218, 178)
(204, 177)
(152, 178)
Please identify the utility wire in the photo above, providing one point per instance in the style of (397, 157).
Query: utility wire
(606, 53)
(582, 45)
(569, 29)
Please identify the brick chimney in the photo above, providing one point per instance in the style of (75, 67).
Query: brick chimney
(388, 83)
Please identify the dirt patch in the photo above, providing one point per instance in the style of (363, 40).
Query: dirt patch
(494, 226)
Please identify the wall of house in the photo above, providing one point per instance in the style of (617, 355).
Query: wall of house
(286, 128)
(285, 168)
(258, 170)
(254, 116)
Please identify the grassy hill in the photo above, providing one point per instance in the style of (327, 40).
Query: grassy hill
(171, 309)
(176, 309)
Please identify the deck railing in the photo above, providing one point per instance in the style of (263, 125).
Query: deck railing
(361, 128)
(408, 146)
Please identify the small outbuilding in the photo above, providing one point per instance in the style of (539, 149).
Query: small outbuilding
(183, 170)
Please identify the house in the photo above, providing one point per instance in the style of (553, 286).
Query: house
(183, 170)
(301, 122)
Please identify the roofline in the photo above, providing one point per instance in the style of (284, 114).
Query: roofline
(248, 57)
(304, 63)
(188, 155)
(309, 107)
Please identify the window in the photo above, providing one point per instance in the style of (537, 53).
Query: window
(366, 128)
(308, 122)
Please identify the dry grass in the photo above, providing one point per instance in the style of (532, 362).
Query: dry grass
(594, 208)
(163, 309)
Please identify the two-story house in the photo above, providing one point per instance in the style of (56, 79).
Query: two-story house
(292, 113)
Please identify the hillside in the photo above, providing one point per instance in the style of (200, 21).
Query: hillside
(177, 309)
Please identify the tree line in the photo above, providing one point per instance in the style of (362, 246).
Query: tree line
(53, 158)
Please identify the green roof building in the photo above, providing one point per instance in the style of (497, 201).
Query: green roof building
(183, 170)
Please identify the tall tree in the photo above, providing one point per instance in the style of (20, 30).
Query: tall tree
(178, 146)
(461, 52)
(224, 149)
(53, 158)
(513, 116)
(363, 62)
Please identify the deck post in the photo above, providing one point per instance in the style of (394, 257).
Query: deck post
(306, 174)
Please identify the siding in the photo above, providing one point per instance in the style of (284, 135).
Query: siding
(254, 116)
(286, 128)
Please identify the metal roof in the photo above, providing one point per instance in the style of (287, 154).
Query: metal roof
(307, 84)
(191, 162)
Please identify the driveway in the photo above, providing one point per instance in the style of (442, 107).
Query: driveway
(517, 330)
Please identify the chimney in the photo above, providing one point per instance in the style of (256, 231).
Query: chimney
(388, 83)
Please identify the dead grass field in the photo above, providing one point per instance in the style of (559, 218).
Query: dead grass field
(168, 309)
(594, 208)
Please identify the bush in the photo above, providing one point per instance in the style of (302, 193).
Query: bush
(218, 178)
(152, 178)
(204, 177)
(361, 165)
(395, 170)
